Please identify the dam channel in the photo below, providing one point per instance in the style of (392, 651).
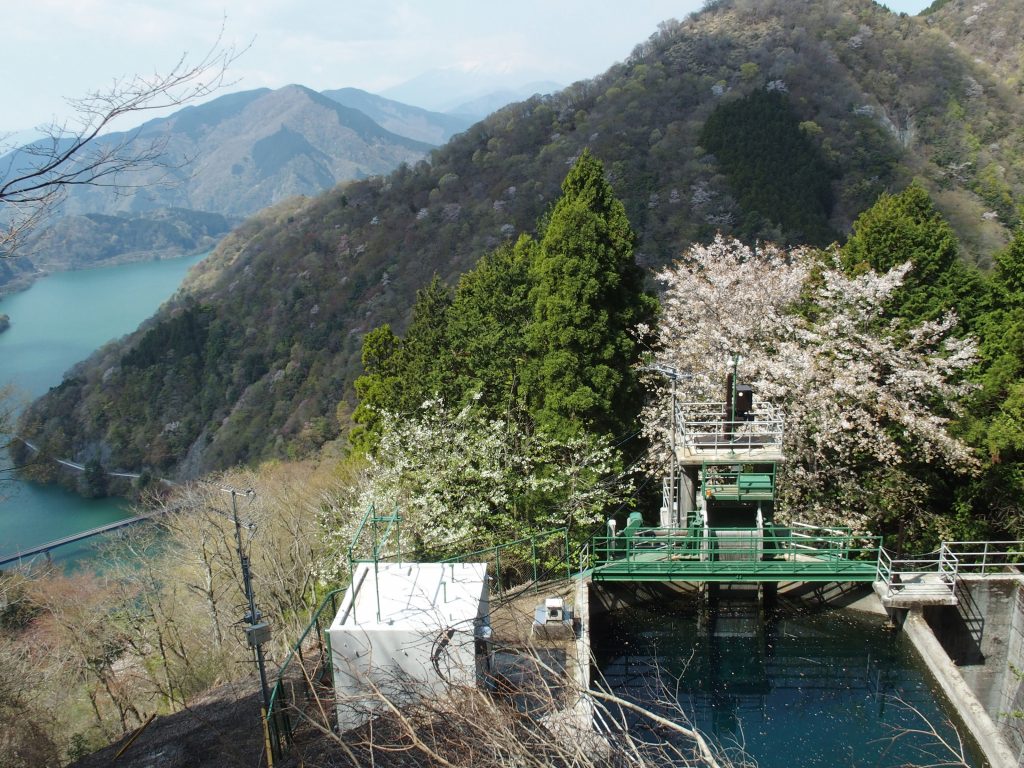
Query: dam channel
(764, 633)
(794, 681)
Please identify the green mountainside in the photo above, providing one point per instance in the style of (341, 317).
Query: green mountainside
(823, 107)
(79, 242)
(989, 30)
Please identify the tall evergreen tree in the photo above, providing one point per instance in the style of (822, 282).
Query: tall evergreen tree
(993, 502)
(379, 388)
(425, 348)
(997, 411)
(486, 327)
(907, 227)
(400, 374)
(587, 298)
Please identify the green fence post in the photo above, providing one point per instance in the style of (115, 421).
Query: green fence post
(565, 552)
(533, 555)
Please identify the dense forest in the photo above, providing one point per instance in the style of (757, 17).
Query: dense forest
(861, 101)
(514, 403)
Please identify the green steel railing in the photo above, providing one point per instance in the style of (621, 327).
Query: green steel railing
(734, 554)
(514, 563)
(279, 723)
(532, 557)
(381, 540)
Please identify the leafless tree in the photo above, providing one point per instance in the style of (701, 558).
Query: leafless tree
(471, 726)
(76, 152)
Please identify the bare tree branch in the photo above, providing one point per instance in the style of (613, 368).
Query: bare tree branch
(36, 178)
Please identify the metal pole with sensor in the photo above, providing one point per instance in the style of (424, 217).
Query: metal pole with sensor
(258, 631)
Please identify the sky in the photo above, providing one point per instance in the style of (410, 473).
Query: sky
(56, 50)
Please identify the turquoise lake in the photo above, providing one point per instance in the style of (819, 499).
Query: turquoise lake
(60, 320)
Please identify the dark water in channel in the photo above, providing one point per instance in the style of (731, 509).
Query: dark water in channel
(806, 687)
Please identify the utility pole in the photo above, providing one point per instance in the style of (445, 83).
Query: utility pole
(257, 631)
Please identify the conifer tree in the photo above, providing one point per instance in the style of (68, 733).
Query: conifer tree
(587, 296)
(907, 227)
(378, 389)
(486, 327)
(997, 410)
(425, 348)
(400, 374)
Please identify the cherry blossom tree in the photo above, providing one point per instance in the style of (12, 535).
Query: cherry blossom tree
(866, 400)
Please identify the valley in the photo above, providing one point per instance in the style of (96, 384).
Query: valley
(784, 235)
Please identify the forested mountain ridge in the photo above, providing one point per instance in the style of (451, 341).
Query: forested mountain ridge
(405, 120)
(92, 240)
(252, 149)
(227, 158)
(257, 354)
(989, 30)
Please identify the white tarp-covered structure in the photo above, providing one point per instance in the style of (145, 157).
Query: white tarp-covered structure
(405, 630)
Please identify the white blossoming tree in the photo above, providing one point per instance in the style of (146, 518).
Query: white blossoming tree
(461, 481)
(866, 402)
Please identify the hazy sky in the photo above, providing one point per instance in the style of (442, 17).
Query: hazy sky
(58, 49)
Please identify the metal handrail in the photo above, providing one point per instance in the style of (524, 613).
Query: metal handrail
(532, 540)
(278, 722)
(892, 571)
(993, 555)
(831, 530)
(379, 542)
(684, 544)
(701, 426)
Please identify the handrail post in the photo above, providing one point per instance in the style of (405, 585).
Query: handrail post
(533, 555)
(497, 569)
(568, 567)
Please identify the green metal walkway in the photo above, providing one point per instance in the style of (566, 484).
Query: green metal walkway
(735, 555)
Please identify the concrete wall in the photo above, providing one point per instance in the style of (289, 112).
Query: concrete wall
(984, 637)
(407, 630)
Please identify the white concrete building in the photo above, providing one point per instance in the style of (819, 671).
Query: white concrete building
(407, 629)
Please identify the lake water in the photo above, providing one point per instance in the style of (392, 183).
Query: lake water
(815, 688)
(60, 320)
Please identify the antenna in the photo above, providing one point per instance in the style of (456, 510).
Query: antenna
(673, 375)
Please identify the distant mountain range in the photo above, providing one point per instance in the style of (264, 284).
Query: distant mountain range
(473, 94)
(405, 120)
(228, 158)
(256, 356)
(244, 151)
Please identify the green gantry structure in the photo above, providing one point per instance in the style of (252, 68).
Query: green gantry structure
(718, 510)
(800, 553)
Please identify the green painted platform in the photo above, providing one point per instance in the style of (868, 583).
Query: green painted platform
(733, 555)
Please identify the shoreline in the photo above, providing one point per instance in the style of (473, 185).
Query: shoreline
(25, 281)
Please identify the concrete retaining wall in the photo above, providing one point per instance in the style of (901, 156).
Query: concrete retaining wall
(983, 638)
